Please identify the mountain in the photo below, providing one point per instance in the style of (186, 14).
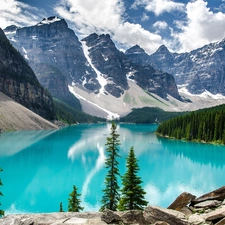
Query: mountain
(93, 68)
(18, 81)
(198, 71)
(54, 53)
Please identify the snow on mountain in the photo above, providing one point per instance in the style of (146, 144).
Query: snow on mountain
(49, 20)
(100, 77)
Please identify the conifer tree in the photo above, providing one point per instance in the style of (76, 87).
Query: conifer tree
(74, 201)
(132, 192)
(61, 207)
(111, 195)
(1, 211)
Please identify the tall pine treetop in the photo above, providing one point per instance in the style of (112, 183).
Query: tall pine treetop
(132, 191)
(111, 192)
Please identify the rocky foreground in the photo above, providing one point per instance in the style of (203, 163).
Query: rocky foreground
(185, 210)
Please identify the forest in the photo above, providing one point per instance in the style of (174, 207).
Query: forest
(206, 125)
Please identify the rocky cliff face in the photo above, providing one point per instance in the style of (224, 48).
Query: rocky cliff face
(117, 68)
(199, 70)
(18, 81)
(52, 45)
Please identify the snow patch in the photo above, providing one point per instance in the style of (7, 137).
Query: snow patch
(110, 116)
(206, 94)
(25, 55)
(102, 81)
(49, 20)
(130, 74)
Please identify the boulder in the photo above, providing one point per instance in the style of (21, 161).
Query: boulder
(161, 223)
(208, 204)
(181, 201)
(221, 222)
(218, 194)
(110, 216)
(216, 214)
(196, 219)
(133, 217)
(187, 211)
(153, 214)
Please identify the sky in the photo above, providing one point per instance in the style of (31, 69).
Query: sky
(181, 25)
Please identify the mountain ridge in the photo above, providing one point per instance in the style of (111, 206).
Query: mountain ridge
(96, 72)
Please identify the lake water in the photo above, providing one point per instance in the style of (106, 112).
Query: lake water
(41, 167)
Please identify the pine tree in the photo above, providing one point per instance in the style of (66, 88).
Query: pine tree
(1, 211)
(61, 207)
(111, 192)
(74, 202)
(132, 192)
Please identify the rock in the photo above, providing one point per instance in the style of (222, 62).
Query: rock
(109, 216)
(132, 217)
(161, 223)
(153, 214)
(196, 219)
(187, 211)
(218, 194)
(181, 201)
(208, 204)
(216, 214)
(221, 222)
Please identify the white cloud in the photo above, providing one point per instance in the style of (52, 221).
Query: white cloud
(17, 13)
(202, 26)
(159, 6)
(89, 17)
(162, 25)
(144, 17)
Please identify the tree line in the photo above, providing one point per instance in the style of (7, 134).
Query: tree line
(206, 125)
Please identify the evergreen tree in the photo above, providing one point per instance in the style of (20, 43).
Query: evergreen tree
(132, 192)
(61, 207)
(1, 211)
(111, 192)
(74, 202)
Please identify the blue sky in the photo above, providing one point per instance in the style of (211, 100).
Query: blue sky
(182, 25)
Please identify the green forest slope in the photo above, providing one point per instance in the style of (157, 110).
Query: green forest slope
(206, 125)
(148, 115)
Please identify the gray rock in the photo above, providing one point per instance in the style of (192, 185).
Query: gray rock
(208, 204)
(133, 217)
(218, 194)
(216, 214)
(161, 223)
(153, 214)
(110, 216)
(196, 219)
(187, 211)
(221, 222)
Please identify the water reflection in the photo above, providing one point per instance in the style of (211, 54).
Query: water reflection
(20, 140)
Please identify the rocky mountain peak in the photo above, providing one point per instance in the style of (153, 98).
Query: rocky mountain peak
(163, 48)
(11, 29)
(95, 39)
(135, 50)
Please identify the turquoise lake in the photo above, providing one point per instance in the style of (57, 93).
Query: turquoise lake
(41, 167)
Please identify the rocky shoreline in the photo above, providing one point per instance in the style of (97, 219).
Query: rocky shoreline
(208, 209)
